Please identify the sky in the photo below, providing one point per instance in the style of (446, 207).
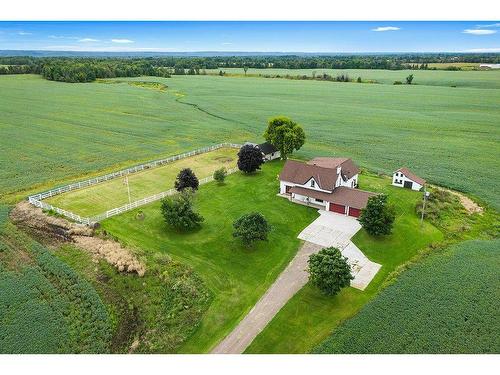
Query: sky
(258, 36)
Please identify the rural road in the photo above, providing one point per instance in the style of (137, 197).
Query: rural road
(288, 283)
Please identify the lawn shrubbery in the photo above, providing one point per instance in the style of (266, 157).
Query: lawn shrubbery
(438, 202)
(178, 211)
(378, 217)
(251, 227)
(448, 304)
(329, 270)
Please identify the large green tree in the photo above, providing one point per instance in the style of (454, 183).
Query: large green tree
(378, 217)
(177, 210)
(285, 134)
(251, 227)
(329, 270)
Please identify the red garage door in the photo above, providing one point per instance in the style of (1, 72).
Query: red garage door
(337, 208)
(354, 212)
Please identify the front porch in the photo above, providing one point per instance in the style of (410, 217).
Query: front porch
(303, 203)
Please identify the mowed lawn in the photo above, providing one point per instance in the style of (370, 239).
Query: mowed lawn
(236, 276)
(99, 198)
(309, 317)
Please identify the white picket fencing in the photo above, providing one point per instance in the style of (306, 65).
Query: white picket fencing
(36, 199)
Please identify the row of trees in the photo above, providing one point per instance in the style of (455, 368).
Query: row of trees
(86, 69)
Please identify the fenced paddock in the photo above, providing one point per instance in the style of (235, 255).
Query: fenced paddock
(38, 199)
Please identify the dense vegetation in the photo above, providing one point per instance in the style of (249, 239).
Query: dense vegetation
(87, 69)
(448, 304)
(45, 306)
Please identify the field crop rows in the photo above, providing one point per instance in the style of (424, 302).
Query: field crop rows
(448, 304)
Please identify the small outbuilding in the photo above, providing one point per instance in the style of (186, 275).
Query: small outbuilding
(405, 178)
(269, 151)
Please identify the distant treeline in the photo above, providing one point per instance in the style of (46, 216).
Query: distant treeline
(87, 69)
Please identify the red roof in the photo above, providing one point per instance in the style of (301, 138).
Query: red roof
(411, 176)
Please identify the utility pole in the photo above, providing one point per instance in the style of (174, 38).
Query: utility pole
(426, 195)
(128, 189)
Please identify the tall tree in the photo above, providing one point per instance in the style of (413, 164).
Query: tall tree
(177, 210)
(250, 158)
(329, 270)
(285, 134)
(409, 79)
(186, 179)
(251, 227)
(377, 218)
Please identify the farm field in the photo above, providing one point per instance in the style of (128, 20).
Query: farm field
(235, 275)
(477, 79)
(84, 128)
(99, 198)
(309, 316)
(447, 304)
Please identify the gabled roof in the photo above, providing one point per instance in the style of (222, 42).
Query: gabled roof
(349, 169)
(267, 148)
(411, 176)
(299, 173)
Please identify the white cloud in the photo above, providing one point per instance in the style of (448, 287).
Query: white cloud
(479, 31)
(226, 43)
(63, 37)
(23, 33)
(86, 40)
(490, 25)
(386, 28)
(123, 41)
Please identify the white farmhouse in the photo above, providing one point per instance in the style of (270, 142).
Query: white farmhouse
(328, 183)
(403, 177)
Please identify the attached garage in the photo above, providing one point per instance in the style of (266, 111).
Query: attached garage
(354, 212)
(338, 208)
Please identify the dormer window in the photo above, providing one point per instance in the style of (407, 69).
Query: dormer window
(312, 183)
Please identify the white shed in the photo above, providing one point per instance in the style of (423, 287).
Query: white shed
(405, 178)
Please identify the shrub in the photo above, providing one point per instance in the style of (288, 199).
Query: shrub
(186, 179)
(329, 270)
(251, 227)
(397, 83)
(178, 211)
(377, 218)
(220, 175)
(249, 158)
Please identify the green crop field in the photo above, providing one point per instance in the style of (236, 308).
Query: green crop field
(479, 79)
(99, 198)
(448, 135)
(447, 304)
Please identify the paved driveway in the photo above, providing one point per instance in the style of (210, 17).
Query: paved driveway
(331, 229)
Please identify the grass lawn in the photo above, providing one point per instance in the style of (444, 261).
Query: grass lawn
(235, 275)
(113, 193)
(309, 317)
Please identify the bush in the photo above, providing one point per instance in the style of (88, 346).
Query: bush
(178, 211)
(329, 270)
(251, 227)
(220, 175)
(186, 179)
(378, 217)
(397, 83)
(249, 158)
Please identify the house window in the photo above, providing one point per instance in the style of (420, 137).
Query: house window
(312, 183)
(319, 200)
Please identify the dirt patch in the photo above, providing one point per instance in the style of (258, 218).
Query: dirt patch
(60, 230)
(224, 159)
(471, 206)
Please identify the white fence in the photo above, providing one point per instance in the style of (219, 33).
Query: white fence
(36, 199)
(147, 200)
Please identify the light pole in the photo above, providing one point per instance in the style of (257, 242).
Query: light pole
(128, 190)
(426, 195)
